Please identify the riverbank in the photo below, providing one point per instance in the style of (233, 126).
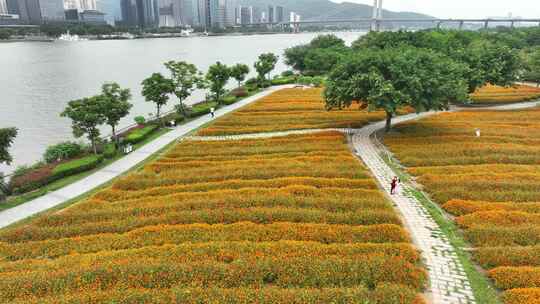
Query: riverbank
(119, 167)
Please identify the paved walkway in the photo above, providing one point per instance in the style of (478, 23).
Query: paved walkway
(119, 167)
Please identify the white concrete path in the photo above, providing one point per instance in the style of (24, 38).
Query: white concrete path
(117, 168)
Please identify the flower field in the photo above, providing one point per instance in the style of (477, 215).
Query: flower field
(491, 184)
(491, 94)
(290, 109)
(294, 219)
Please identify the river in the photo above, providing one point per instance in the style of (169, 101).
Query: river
(37, 79)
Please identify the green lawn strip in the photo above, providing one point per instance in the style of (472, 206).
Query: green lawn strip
(484, 292)
(23, 198)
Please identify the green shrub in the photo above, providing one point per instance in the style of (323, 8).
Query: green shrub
(239, 92)
(283, 80)
(305, 80)
(139, 135)
(177, 117)
(76, 166)
(62, 151)
(287, 73)
(317, 81)
(140, 120)
(202, 109)
(229, 100)
(109, 151)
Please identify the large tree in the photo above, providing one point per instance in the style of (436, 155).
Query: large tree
(239, 72)
(7, 136)
(217, 76)
(488, 60)
(187, 78)
(392, 78)
(157, 89)
(86, 116)
(265, 65)
(533, 66)
(317, 57)
(115, 105)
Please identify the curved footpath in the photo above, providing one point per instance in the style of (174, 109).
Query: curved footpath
(119, 167)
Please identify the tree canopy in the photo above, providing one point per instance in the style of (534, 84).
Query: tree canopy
(318, 57)
(86, 116)
(239, 72)
(186, 78)
(265, 64)
(7, 136)
(218, 75)
(115, 104)
(156, 89)
(393, 78)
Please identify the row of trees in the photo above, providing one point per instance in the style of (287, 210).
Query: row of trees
(113, 104)
(185, 78)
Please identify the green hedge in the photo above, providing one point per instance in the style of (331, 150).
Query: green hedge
(76, 166)
(202, 109)
(283, 80)
(229, 100)
(139, 135)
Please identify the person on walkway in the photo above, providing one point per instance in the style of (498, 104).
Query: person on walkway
(212, 112)
(393, 185)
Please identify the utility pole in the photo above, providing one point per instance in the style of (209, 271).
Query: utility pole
(375, 14)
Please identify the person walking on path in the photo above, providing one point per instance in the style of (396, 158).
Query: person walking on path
(212, 112)
(393, 185)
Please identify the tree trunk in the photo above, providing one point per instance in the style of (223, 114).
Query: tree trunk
(388, 122)
(94, 146)
(115, 138)
(158, 116)
(239, 83)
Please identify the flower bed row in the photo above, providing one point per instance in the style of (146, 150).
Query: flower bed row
(287, 216)
(290, 109)
(490, 183)
(491, 94)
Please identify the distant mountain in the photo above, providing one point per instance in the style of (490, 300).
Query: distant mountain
(325, 9)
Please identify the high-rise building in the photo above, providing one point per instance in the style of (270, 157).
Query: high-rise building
(51, 10)
(271, 14)
(12, 7)
(279, 14)
(111, 9)
(141, 13)
(3, 7)
(244, 15)
(37, 11)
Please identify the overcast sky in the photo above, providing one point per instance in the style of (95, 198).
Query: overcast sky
(463, 8)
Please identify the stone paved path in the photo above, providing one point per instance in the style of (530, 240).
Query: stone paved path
(117, 168)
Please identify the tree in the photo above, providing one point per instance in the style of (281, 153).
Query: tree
(265, 65)
(294, 57)
(218, 74)
(489, 62)
(86, 116)
(396, 77)
(156, 89)
(7, 136)
(326, 41)
(533, 66)
(239, 72)
(115, 105)
(186, 79)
